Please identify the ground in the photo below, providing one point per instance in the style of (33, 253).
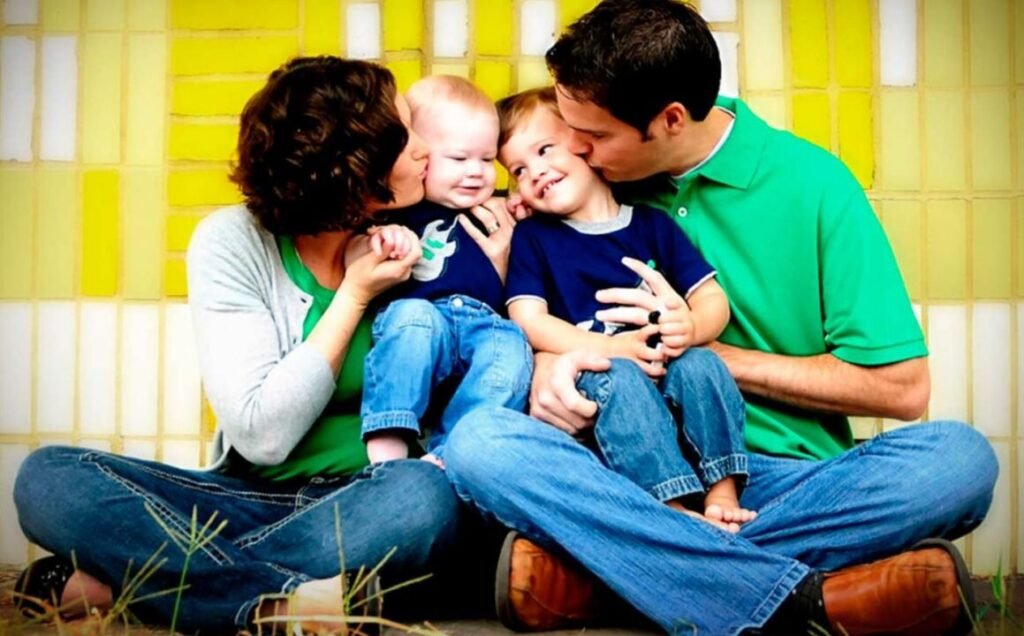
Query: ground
(992, 623)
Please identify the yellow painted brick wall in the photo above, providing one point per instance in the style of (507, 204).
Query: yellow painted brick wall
(160, 84)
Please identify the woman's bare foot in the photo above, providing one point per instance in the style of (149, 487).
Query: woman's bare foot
(314, 605)
(82, 593)
(722, 504)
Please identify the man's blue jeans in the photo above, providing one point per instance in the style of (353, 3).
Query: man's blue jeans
(927, 480)
(690, 435)
(278, 535)
(418, 345)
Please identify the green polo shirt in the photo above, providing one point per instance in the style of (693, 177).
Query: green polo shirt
(333, 445)
(804, 261)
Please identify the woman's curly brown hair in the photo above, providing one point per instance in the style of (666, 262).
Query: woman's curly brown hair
(317, 145)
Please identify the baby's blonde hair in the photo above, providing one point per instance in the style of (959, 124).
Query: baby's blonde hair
(435, 90)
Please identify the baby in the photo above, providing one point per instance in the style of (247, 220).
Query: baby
(443, 327)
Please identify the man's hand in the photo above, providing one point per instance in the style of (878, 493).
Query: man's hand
(553, 396)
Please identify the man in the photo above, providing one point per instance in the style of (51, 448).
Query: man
(822, 328)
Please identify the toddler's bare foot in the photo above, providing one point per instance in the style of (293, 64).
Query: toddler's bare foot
(433, 459)
(675, 505)
(728, 512)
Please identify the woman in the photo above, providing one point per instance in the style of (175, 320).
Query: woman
(281, 331)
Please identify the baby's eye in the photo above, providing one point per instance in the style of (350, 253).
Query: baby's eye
(517, 172)
(543, 150)
(489, 159)
(455, 158)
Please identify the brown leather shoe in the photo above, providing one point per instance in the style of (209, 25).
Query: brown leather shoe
(538, 591)
(922, 592)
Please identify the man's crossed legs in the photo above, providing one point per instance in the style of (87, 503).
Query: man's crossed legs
(876, 500)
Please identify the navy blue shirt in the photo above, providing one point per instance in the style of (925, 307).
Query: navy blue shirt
(452, 262)
(565, 262)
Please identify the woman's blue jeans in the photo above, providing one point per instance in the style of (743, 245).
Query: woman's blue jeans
(691, 432)
(277, 535)
(927, 480)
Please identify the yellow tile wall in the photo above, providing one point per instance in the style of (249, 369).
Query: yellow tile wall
(161, 83)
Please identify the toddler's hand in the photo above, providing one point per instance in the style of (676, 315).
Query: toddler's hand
(676, 326)
(634, 345)
(386, 448)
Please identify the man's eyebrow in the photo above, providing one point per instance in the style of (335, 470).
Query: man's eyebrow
(585, 131)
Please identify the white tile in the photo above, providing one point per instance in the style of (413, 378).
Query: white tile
(55, 390)
(140, 357)
(728, 51)
(991, 541)
(21, 11)
(59, 98)
(451, 28)
(15, 367)
(1020, 392)
(536, 27)
(363, 27)
(947, 346)
(140, 448)
(898, 42)
(181, 453)
(181, 373)
(17, 97)
(97, 368)
(13, 544)
(990, 366)
(718, 10)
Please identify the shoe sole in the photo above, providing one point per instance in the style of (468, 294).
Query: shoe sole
(964, 624)
(502, 576)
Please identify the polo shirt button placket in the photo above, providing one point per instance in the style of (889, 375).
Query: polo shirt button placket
(682, 212)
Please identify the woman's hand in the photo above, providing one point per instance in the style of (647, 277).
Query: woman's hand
(371, 271)
(499, 224)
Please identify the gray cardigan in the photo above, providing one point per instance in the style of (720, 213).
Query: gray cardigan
(266, 386)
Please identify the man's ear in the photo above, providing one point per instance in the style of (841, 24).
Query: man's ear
(674, 118)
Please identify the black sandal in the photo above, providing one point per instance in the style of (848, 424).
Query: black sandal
(42, 584)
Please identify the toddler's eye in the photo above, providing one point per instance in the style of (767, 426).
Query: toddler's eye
(543, 150)
(517, 172)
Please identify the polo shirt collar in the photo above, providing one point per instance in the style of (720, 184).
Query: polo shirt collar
(737, 160)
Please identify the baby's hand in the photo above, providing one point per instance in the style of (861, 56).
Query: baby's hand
(386, 448)
(393, 242)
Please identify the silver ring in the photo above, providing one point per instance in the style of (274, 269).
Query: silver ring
(492, 228)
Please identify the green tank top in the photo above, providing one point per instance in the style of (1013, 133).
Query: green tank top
(333, 445)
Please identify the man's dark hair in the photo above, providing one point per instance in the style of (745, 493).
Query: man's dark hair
(317, 145)
(635, 57)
